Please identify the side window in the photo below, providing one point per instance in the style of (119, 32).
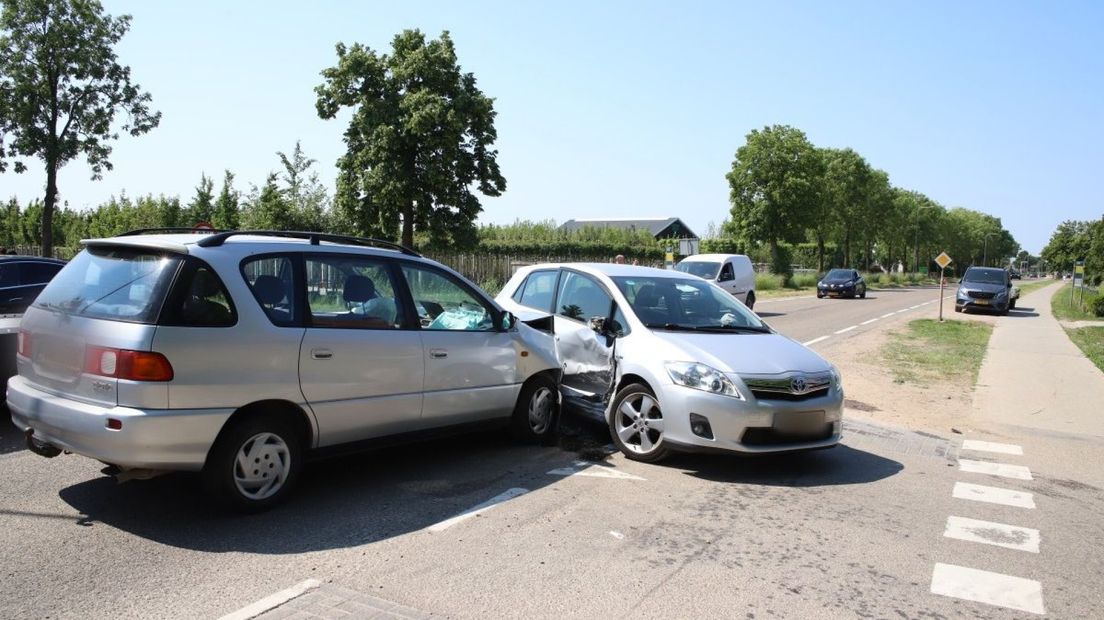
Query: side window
(270, 278)
(727, 273)
(352, 293)
(581, 298)
(442, 303)
(38, 273)
(9, 274)
(206, 302)
(538, 290)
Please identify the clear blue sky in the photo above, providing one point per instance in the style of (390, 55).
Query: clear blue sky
(636, 109)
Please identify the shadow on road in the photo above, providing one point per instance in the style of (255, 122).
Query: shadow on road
(1022, 313)
(339, 503)
(11, 440)
(839, 465)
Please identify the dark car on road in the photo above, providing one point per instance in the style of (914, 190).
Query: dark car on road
(985, 288)
(840, 283)
(22, 278)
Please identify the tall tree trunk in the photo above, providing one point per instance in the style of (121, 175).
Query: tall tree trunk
(847, 249)
(820, 253)
(48, 209)
(408, 225)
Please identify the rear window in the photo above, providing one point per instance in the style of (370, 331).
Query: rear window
(120, 284)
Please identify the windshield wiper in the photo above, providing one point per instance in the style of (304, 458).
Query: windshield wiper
(708, 328)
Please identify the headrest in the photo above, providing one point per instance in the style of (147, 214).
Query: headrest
(647, 296)
(359, 289)
(269, 289)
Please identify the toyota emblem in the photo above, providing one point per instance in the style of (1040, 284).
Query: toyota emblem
(797, 385)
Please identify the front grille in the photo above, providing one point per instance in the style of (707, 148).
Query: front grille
(765, 395)
(783, 388)
(771, 437)
(981, 294)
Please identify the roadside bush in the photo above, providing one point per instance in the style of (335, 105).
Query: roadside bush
(876, 279)
(804, 280)
(915, 278)
(1098, 305)
(768, 282)
(896, 278)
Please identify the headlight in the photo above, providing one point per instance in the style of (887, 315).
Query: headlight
(837, 379)
(1002, 294)
(702, 377)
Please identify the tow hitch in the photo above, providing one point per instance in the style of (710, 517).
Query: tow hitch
(41, 449)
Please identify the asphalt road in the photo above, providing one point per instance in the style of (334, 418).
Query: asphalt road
(842, 533)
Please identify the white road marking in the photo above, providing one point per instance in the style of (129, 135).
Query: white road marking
(815, 340)
(584, 468)
(914, 307)
(902, 310)
(989, 446)
(993, 495)
(846, 329)
(617, 535)
(986, 587)
(272, 601)
(868, 322)
(1004, 470)
(990, 533)
(478, 510)
(887, 315)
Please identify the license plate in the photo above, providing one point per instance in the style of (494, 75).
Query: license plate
(981, 302)
(799, 422)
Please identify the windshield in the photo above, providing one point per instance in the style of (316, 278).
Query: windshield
(122, 284)
(674, 303)
(839, 274)
(984, 276)
(702, 269)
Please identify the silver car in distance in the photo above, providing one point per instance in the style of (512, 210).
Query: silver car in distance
(673, 362)
(240, 354)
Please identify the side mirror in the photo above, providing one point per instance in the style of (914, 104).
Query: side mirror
(507, 322)
(598, 325)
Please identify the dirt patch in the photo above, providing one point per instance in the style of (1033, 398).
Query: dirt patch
(872, 394)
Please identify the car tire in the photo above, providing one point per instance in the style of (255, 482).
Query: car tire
(750, 303)
(632, 424)
(537, 411)
(276, 451)
(1012, 305)
(958, 309)
(820, 295)
(862, 295)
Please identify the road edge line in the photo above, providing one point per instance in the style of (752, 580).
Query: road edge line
(272, 601)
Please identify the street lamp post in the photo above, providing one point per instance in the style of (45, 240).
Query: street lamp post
(985, 249)
(916, 256)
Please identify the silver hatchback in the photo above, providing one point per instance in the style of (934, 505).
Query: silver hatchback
(238, 354)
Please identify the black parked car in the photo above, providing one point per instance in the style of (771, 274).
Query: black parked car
(842, 282)
(22, 278)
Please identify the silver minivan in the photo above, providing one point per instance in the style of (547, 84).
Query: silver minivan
(672, 362)
(240, 354)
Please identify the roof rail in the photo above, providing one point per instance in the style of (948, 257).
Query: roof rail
(315, 238)
(171, 229)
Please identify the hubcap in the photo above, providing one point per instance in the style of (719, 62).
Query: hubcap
(540, 410)
(639, 423)
(262, 466)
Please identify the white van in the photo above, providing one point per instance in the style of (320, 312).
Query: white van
(732, 272)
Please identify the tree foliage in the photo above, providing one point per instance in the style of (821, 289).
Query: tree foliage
(61, 87)
(420, 140)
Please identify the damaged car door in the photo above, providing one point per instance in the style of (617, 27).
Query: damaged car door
(584, 341)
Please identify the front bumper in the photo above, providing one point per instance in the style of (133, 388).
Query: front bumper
(850, 290)
(750, 426)
(990, 305)
(166, 439)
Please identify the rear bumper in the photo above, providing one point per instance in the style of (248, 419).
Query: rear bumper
(167, 439)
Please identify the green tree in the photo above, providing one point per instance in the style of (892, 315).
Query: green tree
(1070, 242)
(227, 206)
(848, 181)
(61, 86)
(420, 139)
(306, 194)
(268, 208)
(202, 206)
(774, 185)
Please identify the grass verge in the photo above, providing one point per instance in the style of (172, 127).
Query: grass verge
(1032, 285)
(1091, 342)
(1075, 310)
(930, 351)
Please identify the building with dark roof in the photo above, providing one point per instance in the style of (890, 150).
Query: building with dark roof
(659, 227)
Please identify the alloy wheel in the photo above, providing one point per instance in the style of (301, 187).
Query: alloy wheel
(639, 423)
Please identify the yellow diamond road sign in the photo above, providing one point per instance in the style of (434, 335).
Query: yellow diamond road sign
(943, 260)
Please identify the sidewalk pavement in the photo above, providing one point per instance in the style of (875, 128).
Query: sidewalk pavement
(1033, 375)
(330, 601)
(1037, 389)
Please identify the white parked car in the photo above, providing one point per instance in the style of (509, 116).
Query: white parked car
(732, 272)
(672, 362)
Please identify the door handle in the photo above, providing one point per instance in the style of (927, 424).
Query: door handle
(321, 354)
(438, 353)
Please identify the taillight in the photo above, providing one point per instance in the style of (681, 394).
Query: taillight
(24, 343)
(130, 365)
